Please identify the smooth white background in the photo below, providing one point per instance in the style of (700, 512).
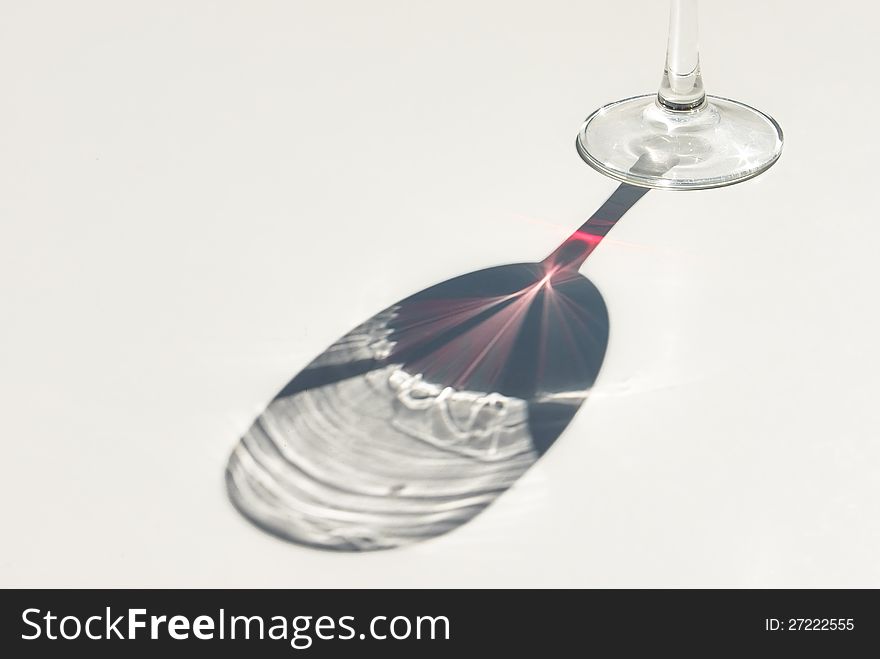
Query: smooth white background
(197, 197)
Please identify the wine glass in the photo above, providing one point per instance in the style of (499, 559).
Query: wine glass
(695, 141)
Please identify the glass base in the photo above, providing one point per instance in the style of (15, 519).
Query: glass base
(638, 141)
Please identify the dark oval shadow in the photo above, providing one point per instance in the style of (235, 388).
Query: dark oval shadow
(416, 420)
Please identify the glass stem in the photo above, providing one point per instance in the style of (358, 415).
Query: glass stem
(681, 89)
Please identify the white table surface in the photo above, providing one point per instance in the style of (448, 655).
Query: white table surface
(197, 197)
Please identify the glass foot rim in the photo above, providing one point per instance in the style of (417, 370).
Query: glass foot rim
(660, 182)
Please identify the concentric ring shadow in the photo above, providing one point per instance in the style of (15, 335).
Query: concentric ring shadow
(416, 420)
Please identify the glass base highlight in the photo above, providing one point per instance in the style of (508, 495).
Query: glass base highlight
(721, 143)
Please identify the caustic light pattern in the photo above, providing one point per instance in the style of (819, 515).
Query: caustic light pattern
(415, 421)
